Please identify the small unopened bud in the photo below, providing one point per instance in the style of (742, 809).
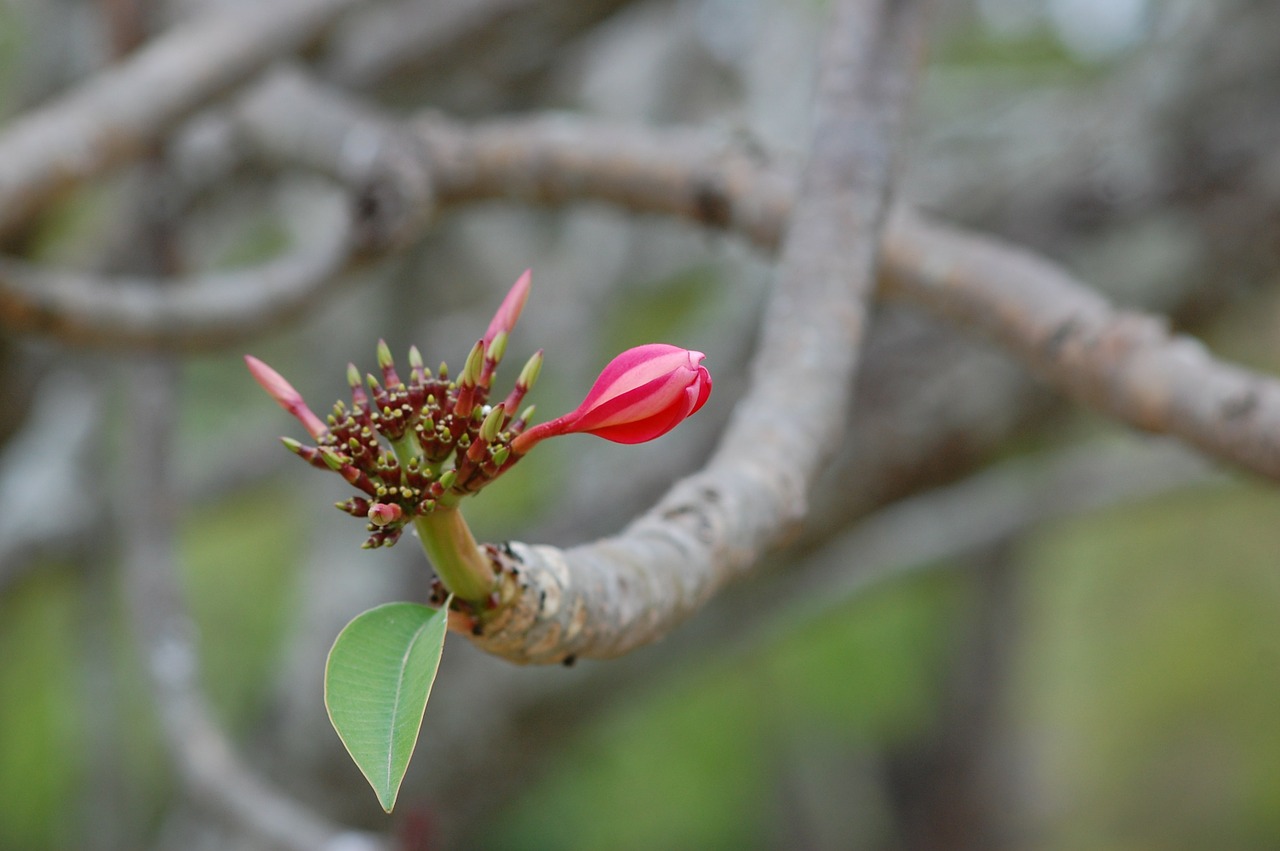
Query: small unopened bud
(492, 424)
(333, 459)
(497, 348)
(383, 514)
(419, 369)
(469, 379)
(500, 455)
(387, 365)
(448, 479)
(356, 506)
(359, 398)
(285, 395)
(532, 369)
(475, 362)
(528, 377)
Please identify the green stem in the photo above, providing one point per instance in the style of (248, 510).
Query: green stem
(459, 562)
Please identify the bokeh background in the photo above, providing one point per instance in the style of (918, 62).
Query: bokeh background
(1010, 623)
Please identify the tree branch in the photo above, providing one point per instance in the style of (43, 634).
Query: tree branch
(195, 313)
(1123, 363)
(607, 598)
(114, 116)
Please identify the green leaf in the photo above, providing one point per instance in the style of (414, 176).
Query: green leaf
(376, 685)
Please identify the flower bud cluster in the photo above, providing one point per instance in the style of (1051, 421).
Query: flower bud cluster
(414, 443)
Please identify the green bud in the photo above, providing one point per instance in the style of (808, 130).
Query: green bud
(448, 479)
(292, 445)
(498, 347)
(415, 357)
(532, 369)
(500, 455)
(492, 424)
(527, 414)
(444, 371)
(475, 361)
(353, 376)
(332, 459)
(384, 355)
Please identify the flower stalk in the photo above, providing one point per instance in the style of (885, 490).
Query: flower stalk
(461, 565)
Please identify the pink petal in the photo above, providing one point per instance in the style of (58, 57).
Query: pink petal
(638, 366)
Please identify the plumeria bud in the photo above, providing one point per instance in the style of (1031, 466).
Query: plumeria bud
(523, 420)
(416, 364)
(532, 369)
(356, 506)
(492, 424)
(641, 394)
(359, 398)
(509, 310)
(496, 349)
(475, 362)
(387, 364)
(284, 394)
(310, 454)
(383, 513)
(468, 379)
(335, 461)
(493, 355)
(528, 377)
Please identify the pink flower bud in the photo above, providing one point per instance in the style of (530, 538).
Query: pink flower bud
(509, 310)
(643, 393)
(288, 398)
(383, 513)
